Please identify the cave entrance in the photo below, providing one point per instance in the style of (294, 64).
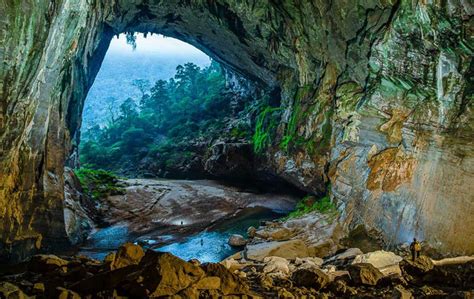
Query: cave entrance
(166, 154)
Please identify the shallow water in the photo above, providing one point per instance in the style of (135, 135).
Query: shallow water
(206, 246)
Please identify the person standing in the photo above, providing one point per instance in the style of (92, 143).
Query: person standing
(415, 248)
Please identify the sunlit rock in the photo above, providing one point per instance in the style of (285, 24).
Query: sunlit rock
(237, 240)
(385, 261)
(364, 273)
(11, 291)
(285, 249)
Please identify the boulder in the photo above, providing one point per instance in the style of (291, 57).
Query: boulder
(365, 274)
(231, 284)
(164, 274)
(340, 288)
(286, 249)
(348, 254)
(283, 293)
(39, 287)
(399, 292)
(106, 281)
(309, 262)
(386, 261)
(275, 234)
(63, 293)
(251, 232)
(310, 278)
(266, 282)
(237, 240)
(127, 254)
(459, 276)
(209, 283)
(275, 264)
(415, 268)
(453, 260)
(232, 264)
(11, 291)
(43, 263)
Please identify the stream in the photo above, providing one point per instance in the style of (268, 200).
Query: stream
(209, 245)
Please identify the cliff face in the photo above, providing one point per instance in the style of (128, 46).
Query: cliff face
(376, 102)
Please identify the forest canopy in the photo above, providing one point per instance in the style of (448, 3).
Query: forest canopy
(191, 105)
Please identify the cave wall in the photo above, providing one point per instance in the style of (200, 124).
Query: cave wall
(376, 103)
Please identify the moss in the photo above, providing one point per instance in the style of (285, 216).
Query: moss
(310, 204)
(239, 132)
(292, 126)
(99, 183)
(266, 123)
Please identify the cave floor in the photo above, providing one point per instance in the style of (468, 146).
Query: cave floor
(178, 214)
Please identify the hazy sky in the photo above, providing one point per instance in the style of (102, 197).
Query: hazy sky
(156, 45)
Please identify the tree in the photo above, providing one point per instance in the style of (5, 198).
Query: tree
(129, 110)
(143, 85)
(192, 104)
(112, 110)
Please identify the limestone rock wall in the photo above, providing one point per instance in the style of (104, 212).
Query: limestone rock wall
(376, 102)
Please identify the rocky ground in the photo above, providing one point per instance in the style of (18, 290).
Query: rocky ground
(149, 203)
(133, 273)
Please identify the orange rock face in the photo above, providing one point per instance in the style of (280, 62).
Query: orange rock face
(389, 169)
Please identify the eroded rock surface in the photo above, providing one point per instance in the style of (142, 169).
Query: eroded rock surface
(365, 86)
(157, 274)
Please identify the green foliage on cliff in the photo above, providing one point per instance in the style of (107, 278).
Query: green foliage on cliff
(310, 204)
(98, 183)
(304, 108)
(265, 124)
(160, 125)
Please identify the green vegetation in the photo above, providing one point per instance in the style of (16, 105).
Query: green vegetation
(310, 204)
(160, 126)
(99, 183)
(265, 124)
(303, 108)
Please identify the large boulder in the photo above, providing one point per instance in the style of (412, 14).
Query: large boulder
(231, 284)
(275, 264)
(11, 291)
(127, 254)
(237, 240)
(165, 274)
(459, 276)
(416, 268)
(399, 292)
(232, 264)
(386, 261)
(343, 257)
(309, 262)
(310, 278)
(365, 274)
(286, 249)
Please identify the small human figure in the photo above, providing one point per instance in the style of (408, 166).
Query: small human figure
(202, 242)
(415, 248)
(181, 222)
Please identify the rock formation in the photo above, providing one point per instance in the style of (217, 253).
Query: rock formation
(376, 102)
(133, 273)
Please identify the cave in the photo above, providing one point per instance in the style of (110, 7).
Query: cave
(166, 156)
(374, 102)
